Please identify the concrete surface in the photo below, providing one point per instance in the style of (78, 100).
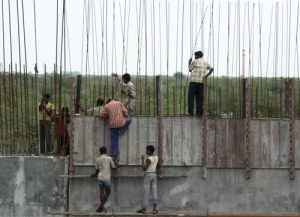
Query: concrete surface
(182, 141)
(183, 189)
(31, 186)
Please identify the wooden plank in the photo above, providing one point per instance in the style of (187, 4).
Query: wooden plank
(143, 136)
(177, 152)
(211, 143)
(78, 139)
(240, 142)
(133, 147)
(265, 144)
(274, 143)
(256, 139)
(196, 142)
(284, 143)
(297, 143)
(168, 141)
(231, 143)
(261, 143)
(189, 148)
(221, 145)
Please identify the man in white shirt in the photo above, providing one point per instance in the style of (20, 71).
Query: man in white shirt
(150, 179)
(104, 164)
(128, 88)
(198, 68)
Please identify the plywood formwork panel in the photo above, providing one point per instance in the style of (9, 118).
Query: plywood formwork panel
(133, 138)
(177, 144)
(221, 143)
(196, 142)
(167, 141)
(274, 143)
(260, 139)
(240, 142)
(284, 143)
(235, 143)
(211, 143)
(143, 134)
(297, 143)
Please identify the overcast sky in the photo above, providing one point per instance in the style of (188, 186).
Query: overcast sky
(155, 36)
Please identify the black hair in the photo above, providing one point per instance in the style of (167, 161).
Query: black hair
(47, 95)
(150, 148)
(65, 109)
(103, 150)
(100, 101)
(126, 77)
(198, 54)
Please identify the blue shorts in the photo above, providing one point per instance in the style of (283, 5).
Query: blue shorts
(104, 182)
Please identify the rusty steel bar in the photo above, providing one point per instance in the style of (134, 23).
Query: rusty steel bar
(78, 88)
(160, 117)
(204, 132)
(291, 106)
(247, 112)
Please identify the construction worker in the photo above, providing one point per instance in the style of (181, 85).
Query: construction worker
(104, 165)
(198, 68)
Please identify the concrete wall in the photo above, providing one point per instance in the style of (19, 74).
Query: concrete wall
(182, 188)
(182, 141)
(31, 186)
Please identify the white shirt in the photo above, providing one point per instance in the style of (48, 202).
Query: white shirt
(104, 164)
(152, 167)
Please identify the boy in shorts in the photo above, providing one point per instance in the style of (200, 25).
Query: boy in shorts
(104, 165)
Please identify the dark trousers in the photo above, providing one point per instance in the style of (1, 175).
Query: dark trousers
(195, 91)
(114, 136)
(45, 136)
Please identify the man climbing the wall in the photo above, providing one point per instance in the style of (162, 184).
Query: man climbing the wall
(127, 88)
(97, 109)
(198, 68)
(118, 124)
(104, 165)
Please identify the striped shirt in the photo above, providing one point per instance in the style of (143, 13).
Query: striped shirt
(115, 112)
(198, 68)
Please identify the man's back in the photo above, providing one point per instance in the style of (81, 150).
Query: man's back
(104, 163)
(115, 111)
(198, 69)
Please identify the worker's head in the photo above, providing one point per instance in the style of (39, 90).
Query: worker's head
(46, 97)
(126, 78)
(150, 149)
(65, 110)
(103, 150)
(99, 102)
(198, 54)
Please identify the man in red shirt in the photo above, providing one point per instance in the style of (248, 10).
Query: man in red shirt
(118, 124)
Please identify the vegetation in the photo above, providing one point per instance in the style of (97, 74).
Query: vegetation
(21, 93)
